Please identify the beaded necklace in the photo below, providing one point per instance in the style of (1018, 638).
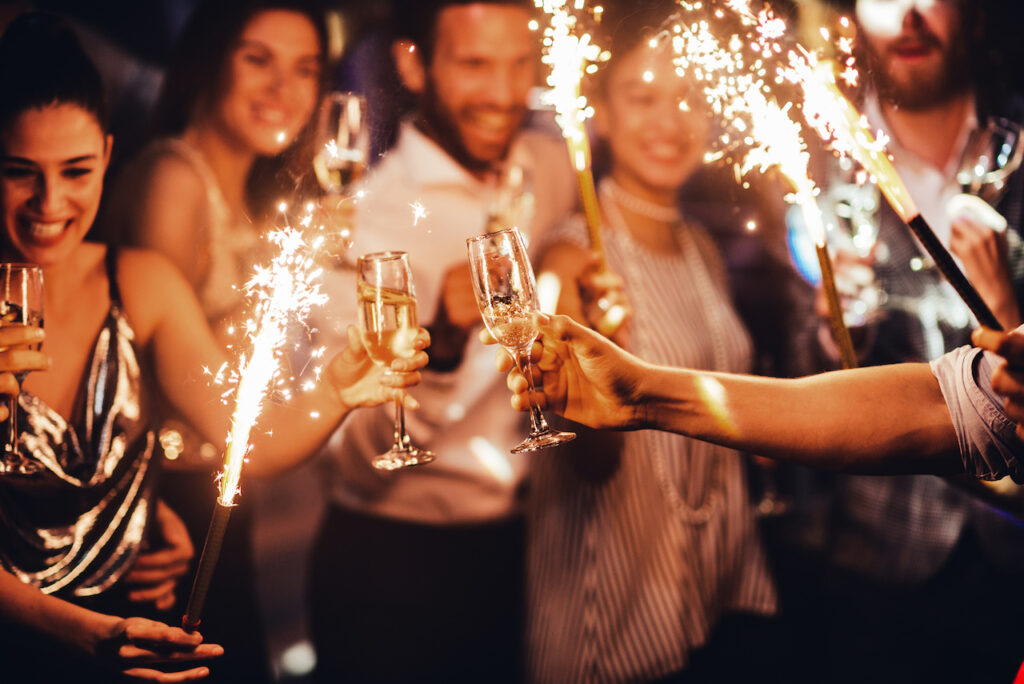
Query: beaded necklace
(714, 500)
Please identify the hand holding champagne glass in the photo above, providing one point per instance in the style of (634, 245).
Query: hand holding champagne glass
(21, 303)
(992, 153)
(507, 297)
(387, 322)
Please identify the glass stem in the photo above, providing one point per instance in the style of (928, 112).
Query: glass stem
(12, 423)
(522, 360)
(401, 439)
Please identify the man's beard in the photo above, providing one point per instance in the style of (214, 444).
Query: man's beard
(439, 122)
(916, 91)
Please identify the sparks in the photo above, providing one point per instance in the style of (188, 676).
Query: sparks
(418, 212)
(570, 52)
(283, 291)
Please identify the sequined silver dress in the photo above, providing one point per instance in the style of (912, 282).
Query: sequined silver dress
(75, 501)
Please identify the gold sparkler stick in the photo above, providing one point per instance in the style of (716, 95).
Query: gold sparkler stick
(591, 209)
(781, 145)
(283, 292)
(840, 333)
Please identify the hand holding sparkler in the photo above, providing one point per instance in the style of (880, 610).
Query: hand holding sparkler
(1007, 378)
(138, 648)
(570, 52)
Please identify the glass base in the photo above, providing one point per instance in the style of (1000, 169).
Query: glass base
(400, 458)
(545, 438)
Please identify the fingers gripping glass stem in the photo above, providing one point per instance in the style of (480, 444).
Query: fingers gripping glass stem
(506, 294)
(388, 324)
(522, 360)
(21, 303)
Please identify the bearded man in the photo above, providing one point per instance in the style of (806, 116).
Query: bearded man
(417, 575)
(910, 561)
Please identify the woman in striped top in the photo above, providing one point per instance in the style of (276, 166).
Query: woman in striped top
(639, 545)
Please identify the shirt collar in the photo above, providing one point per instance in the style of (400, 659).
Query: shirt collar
(429, 165)
(873, 111)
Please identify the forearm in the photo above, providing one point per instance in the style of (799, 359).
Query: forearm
(287, 434)
(876, 420)
(58, 620)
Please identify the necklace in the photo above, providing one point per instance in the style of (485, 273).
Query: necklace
(715, 498)
(640, 206)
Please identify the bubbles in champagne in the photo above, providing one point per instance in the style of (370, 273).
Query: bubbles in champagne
(512, 321)
(388, 323)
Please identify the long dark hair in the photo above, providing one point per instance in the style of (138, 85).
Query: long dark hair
(42, 63)
(196, 77)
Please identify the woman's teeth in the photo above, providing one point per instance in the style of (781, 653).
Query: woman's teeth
(269, 115)
(46, 230)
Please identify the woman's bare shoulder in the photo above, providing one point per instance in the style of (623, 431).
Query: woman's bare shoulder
(171, 171)
(151, 287)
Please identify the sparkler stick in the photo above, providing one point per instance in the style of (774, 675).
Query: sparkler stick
(850, 131)
(282, 292)
(824, 106)
(782, 146)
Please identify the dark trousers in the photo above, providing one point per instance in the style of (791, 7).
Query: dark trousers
(393, 601)
(965, 624)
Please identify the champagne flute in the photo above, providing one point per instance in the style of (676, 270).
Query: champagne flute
(21, 303)
(342, 142)
(507, 297)
(387, 321)
(993, 152)
(342, 146)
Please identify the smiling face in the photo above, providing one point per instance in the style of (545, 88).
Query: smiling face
(916, 49)
(483, 65)
(52, 162)
(652, 122)
(271, 82)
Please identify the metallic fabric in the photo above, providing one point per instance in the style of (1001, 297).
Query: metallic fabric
(75, 500)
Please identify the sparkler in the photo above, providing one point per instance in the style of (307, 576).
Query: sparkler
(736, 90)
(570, 52)
(783, 147)
(570, 55)
(837, 121)
(282, 292)
(834, 116)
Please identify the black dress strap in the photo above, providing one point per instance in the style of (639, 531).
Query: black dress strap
(115, 291)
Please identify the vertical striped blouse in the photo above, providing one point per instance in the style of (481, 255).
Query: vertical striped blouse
(640, 543)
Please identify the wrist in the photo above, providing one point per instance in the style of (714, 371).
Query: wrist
(648, 402)
(93, 631)
(669, 399)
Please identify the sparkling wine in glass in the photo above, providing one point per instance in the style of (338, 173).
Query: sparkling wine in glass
(21, 303)
(388, 326)
(342, 142)
(507, 297)
(993, 152)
